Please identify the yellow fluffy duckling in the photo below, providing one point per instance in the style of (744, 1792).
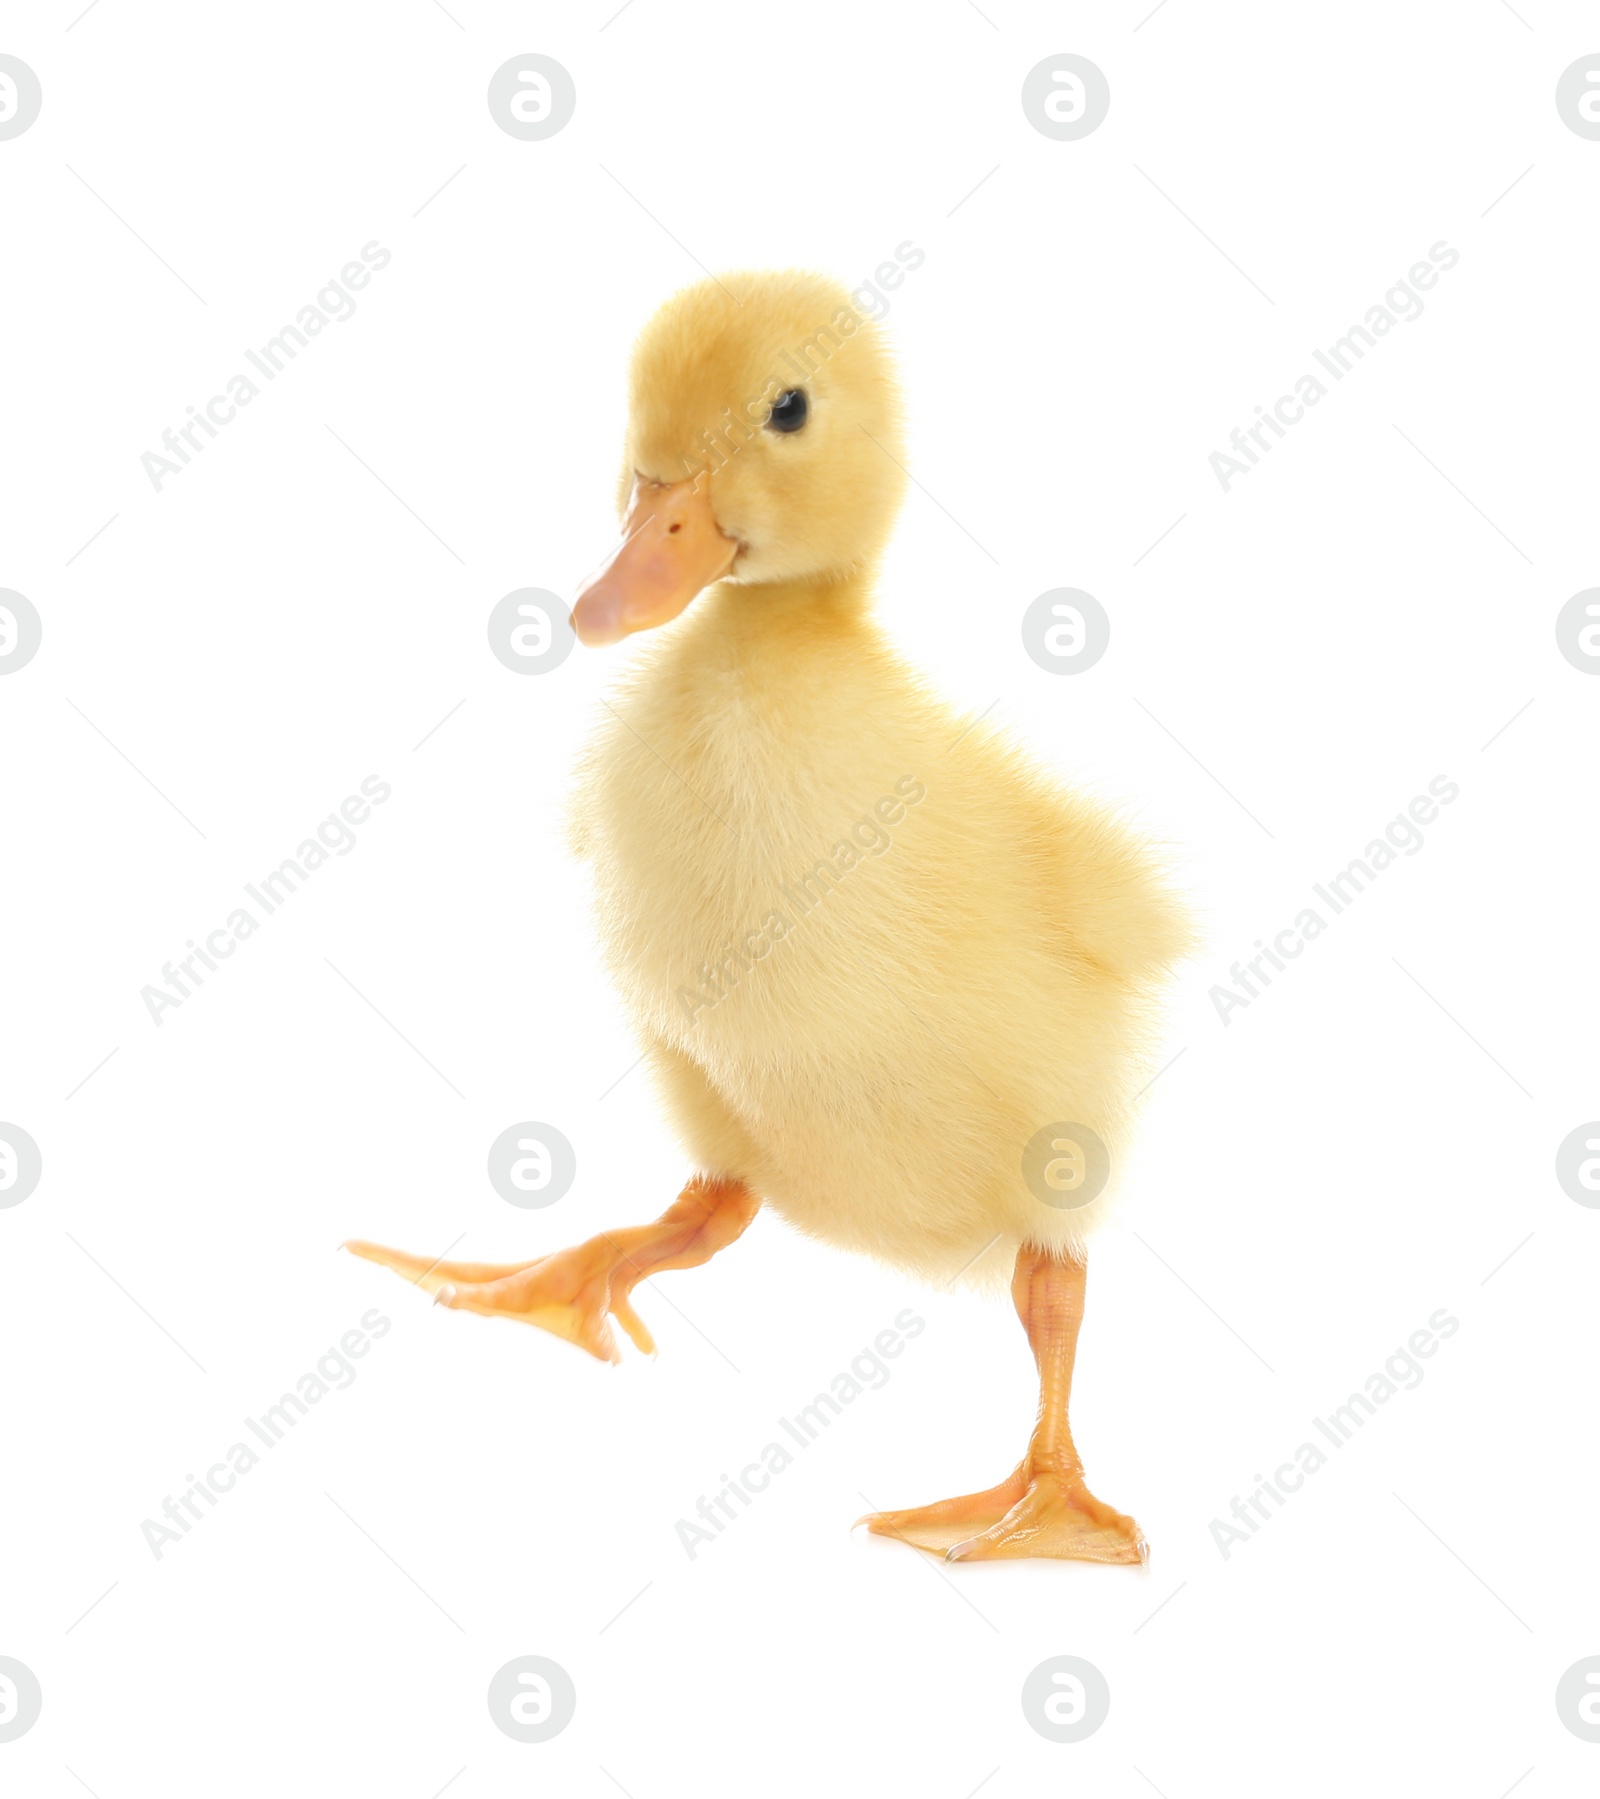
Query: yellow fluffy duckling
(892, 980)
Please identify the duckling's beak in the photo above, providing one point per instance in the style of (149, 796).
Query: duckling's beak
(671, 549)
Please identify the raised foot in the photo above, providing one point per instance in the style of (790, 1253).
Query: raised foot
(573, 1293)
(1040, 1515)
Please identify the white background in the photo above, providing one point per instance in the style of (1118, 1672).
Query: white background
(1295, 661)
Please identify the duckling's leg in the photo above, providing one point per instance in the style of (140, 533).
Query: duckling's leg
(1044, 1508)
(571, 1292)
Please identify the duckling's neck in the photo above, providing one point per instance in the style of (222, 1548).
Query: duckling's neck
(755, 683)
(747, 627)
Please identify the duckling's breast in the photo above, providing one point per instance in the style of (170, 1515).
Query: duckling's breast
(828, 932)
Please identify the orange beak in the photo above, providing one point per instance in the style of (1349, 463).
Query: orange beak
(670, 550)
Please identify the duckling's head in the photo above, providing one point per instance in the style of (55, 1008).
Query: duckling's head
(763, 447)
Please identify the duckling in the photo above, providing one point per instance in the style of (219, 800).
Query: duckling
(875, 958)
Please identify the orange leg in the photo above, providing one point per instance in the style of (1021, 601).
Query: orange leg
(1043, 1508)
(576, 1292)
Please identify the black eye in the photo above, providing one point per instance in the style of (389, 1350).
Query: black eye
(789, 410)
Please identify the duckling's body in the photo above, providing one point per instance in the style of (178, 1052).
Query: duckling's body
(891, 979)
(973, 963)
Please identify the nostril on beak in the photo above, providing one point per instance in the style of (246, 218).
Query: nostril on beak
(672, 528)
